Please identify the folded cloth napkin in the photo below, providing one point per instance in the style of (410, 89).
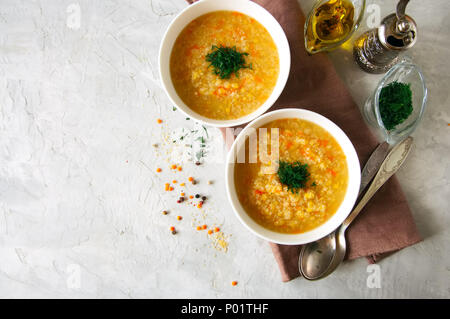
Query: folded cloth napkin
(386, 224)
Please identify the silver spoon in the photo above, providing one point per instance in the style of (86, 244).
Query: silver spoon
(319, 259)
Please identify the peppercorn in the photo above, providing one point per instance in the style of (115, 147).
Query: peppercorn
(197, 163)
(203, 198)
(174, 232)
(197, 195)
(164, 212)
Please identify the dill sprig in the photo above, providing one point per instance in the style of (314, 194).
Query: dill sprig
(226, 61)
(293, 175)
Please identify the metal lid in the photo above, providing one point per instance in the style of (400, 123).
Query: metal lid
(398, 31)
(397, 34)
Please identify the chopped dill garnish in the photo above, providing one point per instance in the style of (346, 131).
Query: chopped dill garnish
(395, 104)
(226, 61)
(293, 175)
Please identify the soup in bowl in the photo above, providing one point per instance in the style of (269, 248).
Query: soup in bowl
(224, 63)
(299, 180)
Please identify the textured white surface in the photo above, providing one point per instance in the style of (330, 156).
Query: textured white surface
(78, 188)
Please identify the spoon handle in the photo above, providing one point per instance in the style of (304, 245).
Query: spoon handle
(390, 165)
(373, 165)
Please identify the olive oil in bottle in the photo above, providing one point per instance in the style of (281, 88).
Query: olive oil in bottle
(328, 24)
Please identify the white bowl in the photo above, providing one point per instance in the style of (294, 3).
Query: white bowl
(354, 179)
(200, 8)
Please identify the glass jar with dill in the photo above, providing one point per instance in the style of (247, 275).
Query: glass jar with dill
(398, 103)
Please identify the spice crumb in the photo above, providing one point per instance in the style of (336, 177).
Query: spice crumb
(210, 182)
(158, 170)
(164, 212)
(179, 217)
(159, 121)
(217, 229)
(234, 283)
(172, 228)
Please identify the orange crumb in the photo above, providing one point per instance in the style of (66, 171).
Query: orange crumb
(179, 217)
(170, 188)
(174, 181)
(199, 227)
(234, 283)
(182, 184)
(190, 179)
(204, 227)
(217, 229)
(167, 186)
(199, 205)
(159, 121)
(210, 232)
(191, 197)
(173, 166)
(180, 168)
(158, 170)
(182, 194)
(172, 228)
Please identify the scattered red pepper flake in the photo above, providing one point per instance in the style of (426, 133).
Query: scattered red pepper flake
(234, 283)
(180, 168)
(199, 227)
(158, 170)
(159, 121)
(173, 166)
(204, 227)
(210, 232)
(216, 230)
(190, 179)
(179, 217)
(174, 181)
(172, 228)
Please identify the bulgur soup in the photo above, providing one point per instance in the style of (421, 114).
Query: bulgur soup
(224, 65)
(307, 184)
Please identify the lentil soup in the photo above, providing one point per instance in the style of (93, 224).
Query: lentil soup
(273, 204)
(209, 94)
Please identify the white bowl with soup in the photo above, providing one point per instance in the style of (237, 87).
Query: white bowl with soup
(303, 191)
(224, 63)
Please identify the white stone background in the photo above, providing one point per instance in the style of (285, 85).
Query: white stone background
(78, 188)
